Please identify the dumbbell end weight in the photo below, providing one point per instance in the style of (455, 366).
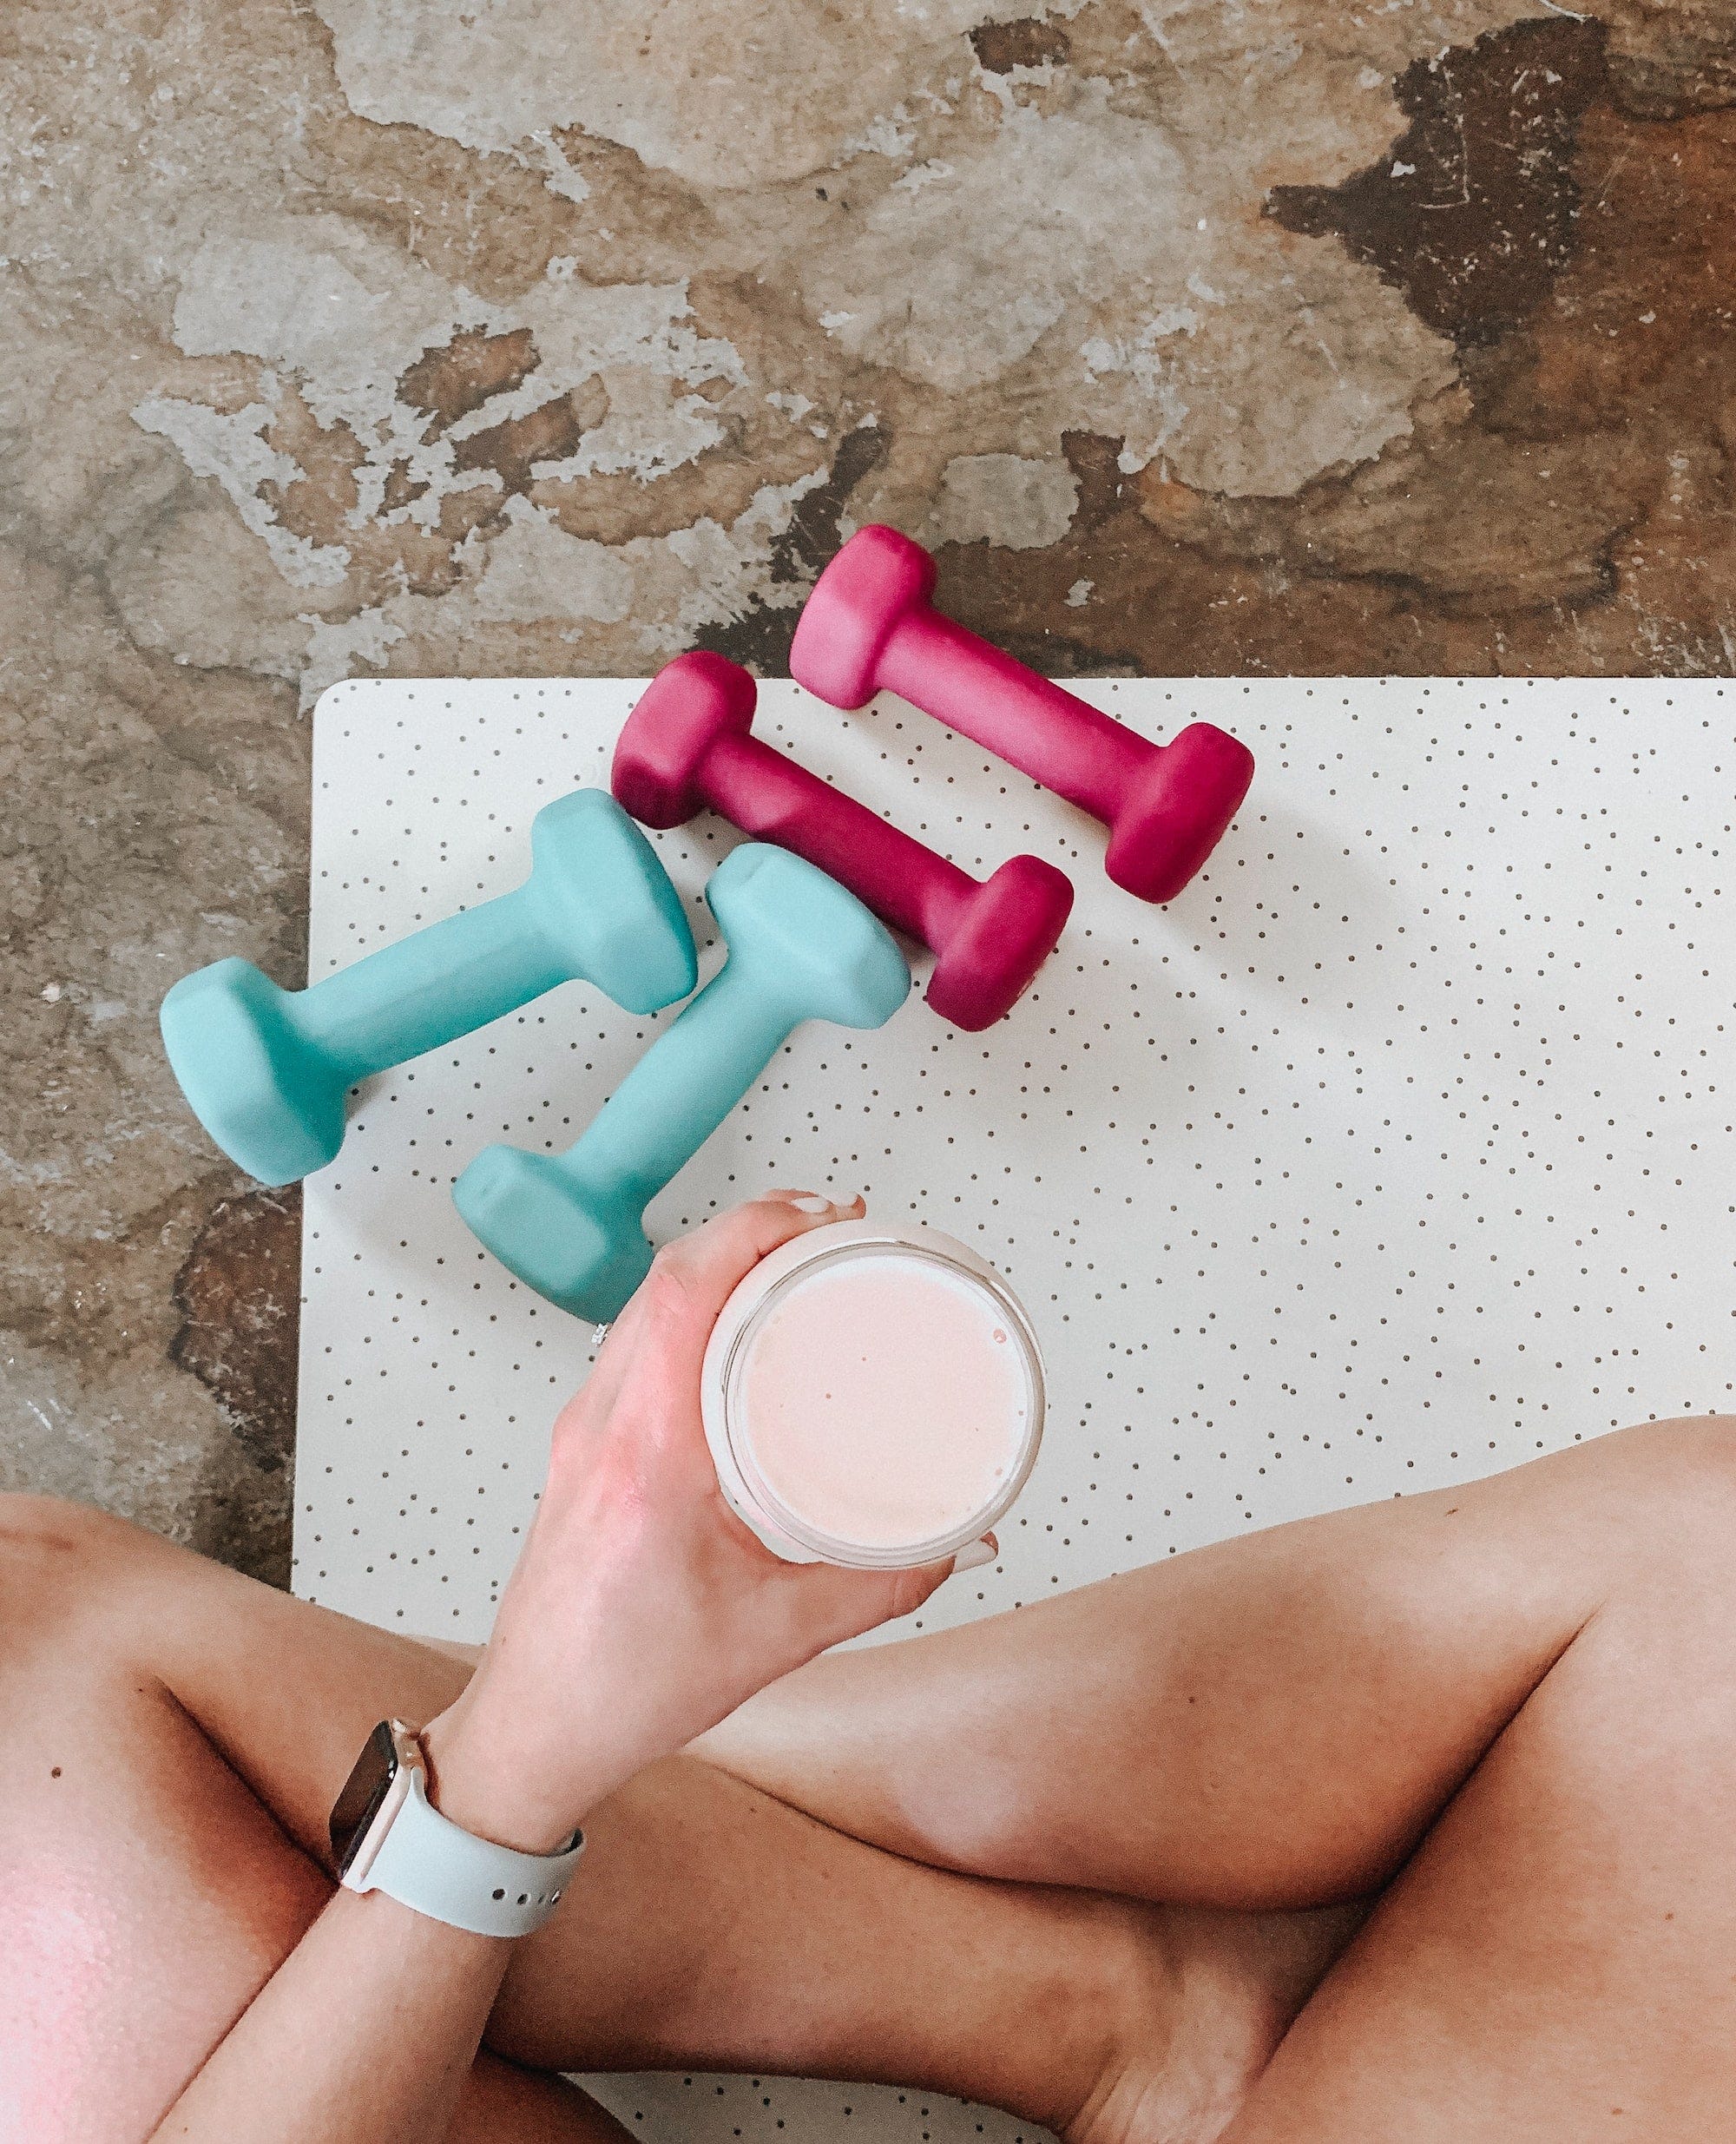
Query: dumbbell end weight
(811, 948)
(675, 726)
(1176, 812)
(606, 903)
(876, 582)
(998, 941)
(532, 1212)
(261, 1091)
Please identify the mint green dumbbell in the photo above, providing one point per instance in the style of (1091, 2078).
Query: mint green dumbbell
(266, 1071)
(571, 1225)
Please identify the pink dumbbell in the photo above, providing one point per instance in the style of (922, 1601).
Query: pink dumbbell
(869, 624)
(687, 744)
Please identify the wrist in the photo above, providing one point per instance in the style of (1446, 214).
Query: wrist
(476, 1779)
(503, 1784)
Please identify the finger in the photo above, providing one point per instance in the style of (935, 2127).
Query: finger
(975, 1554)
(828, 1201)
(674, 1312)
(693, 1277)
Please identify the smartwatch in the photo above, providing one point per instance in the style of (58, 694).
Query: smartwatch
(386, 1835)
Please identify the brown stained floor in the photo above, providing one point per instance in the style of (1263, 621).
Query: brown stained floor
(353, 338)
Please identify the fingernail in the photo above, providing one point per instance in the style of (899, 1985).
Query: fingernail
(975, 1554)
(811, 1204)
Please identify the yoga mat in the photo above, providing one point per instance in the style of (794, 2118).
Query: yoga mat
(1397, 1150)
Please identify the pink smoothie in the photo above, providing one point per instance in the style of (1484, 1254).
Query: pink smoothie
(884, 1400)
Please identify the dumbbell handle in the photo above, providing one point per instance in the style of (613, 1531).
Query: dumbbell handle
(975, 688)
(682, 1088)
(765, 794)
(432, 986)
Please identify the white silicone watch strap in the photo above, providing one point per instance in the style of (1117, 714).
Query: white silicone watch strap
(434, 1866)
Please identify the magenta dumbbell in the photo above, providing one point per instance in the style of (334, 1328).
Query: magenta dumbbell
(870, 625)
(688, 744)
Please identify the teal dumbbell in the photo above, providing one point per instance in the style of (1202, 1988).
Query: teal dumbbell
(266, 1071)
(571, 1225)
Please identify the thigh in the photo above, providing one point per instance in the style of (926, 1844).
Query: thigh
(1556, 1960)
(503, 2104)
(712, 1926)
(1271, 1722)
(147, 1894)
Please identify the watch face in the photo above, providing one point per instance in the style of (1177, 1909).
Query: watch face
(363, 1792)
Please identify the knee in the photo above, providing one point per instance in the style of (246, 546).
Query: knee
(53, 1551)
(1695, 1454)
(47, 1525)
(1670, 1489)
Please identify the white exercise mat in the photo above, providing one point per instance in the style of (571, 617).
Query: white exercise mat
(1397, 1150)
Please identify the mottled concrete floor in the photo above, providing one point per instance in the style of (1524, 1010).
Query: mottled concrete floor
(384, 335)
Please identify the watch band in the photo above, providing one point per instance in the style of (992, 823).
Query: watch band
(434, 1866)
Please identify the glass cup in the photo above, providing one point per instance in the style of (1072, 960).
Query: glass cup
(872, 1397)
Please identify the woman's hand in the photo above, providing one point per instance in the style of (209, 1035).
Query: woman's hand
(641, 1610)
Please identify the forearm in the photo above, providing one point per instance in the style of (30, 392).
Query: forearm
(640, 1613)
(371, 2023)
(368, 2029)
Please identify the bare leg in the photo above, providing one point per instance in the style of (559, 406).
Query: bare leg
(145, 1894)
(715, 1926)
(1556, 1960)
(776, 1882)
(1297, 1711)
(1508, 1705)
(739, 1934)
(1272, 1722)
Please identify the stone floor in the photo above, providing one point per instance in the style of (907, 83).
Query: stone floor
(359, 336)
